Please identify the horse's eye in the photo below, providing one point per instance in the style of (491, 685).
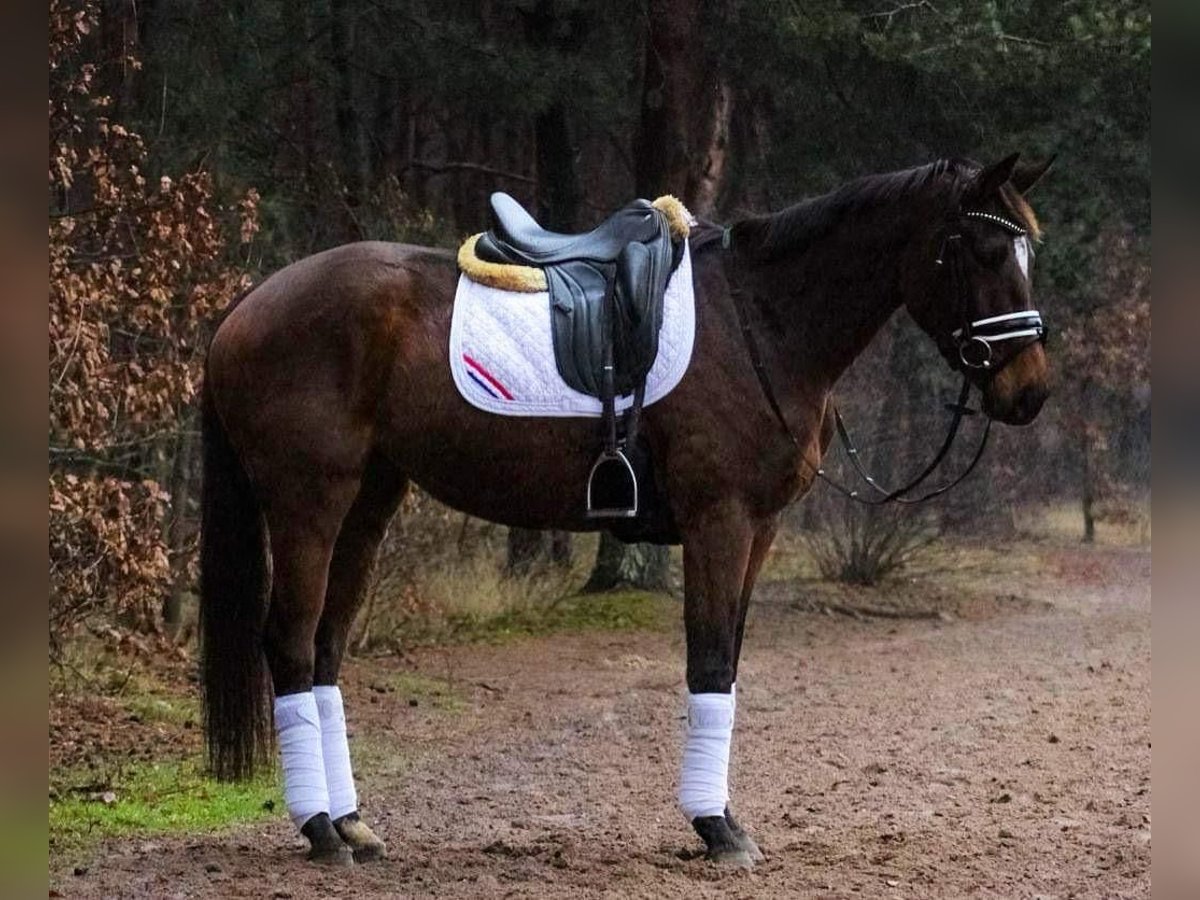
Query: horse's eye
(991, 253)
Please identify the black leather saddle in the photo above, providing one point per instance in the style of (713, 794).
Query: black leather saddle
(514, 231)
(606, 286)
(606, 306)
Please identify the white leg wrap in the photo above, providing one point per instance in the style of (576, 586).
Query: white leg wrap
(704, 782)
(298, 725)
(339, 776)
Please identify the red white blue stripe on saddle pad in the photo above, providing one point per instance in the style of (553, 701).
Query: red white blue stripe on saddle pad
(502, 351)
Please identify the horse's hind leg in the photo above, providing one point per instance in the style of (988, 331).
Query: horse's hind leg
(304, 512)
(381, 491)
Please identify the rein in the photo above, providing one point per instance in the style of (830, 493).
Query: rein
(973, 342)
(898, 495)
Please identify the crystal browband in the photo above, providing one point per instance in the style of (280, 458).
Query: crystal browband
(1007, 224)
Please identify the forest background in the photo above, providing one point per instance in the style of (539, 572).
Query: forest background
(195, 147)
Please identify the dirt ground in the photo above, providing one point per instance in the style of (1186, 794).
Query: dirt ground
(1001, 752)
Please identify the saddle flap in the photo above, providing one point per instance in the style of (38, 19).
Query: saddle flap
(642, 273)
(635, 270)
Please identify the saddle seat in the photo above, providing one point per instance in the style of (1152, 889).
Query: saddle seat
(516, 237)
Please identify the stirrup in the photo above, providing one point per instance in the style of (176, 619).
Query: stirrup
(612, 488)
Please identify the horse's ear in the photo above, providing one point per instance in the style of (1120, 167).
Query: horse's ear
(1025, 176)
(988, 181)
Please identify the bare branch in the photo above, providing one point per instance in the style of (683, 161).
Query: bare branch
(889, 14)
(466, 167)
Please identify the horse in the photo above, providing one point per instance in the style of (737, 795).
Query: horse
(327, 391)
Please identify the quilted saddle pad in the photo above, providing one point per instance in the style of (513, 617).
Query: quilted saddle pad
(502, 350)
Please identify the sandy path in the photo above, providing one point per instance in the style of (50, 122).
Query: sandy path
(1002, 757)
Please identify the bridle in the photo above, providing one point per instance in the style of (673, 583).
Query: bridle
(969, 348)
(974, 341)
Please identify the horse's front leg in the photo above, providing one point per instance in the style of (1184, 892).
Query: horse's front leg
(716, 557)
(764, 536)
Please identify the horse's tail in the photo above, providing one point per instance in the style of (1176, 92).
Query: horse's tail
(233, 588)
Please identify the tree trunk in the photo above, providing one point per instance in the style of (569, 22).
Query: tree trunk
(559, 193)
(713, 153)
(304, 118)
(561, 549)
(680, 148)
(383, 143)
(1088, 492)
(526, 548)
(643, 566)
(683, 134)
(559, 201)
(1088, 472)
(350, 142)
(180, 490)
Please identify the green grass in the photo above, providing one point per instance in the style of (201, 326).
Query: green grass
(154, 706)
(524, 616)
(152, 798)
(1120, 525)
(470, 598)
(788, 559)
(611, 611)
(435, 692)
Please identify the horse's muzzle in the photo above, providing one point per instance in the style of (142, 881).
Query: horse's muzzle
(1016, 393)
(1024, 407)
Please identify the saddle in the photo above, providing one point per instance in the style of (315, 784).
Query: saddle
(606, 290)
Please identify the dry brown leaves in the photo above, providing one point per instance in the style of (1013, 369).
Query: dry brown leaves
(139, 267)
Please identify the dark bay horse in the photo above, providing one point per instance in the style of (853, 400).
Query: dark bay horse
(328, 390)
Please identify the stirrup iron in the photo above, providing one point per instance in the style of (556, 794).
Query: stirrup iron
(612, 488)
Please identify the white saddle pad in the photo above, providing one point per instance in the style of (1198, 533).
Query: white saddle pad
(502, 351)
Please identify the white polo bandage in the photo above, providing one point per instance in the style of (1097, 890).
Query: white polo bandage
(298, 725)
(704, 780)
(339, 776)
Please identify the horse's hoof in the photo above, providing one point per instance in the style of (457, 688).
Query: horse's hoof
(742, 838)
(723, 847)
(335, 857)
(365, 844)
(327, 847)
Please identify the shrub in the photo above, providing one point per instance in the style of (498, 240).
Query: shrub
(139, 267)
(861, 544)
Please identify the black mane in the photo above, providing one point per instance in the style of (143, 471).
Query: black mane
(792, 229)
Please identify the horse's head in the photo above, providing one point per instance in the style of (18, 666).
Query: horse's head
(979, 307)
